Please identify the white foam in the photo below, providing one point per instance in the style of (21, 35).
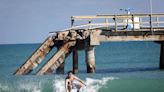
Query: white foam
(59, 85)
(29, 87)
(93, 85)
(4, 88)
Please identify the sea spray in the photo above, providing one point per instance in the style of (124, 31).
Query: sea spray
(59, 85)
(93, 85)
(29, 87)
(22, 87)
(4, 88)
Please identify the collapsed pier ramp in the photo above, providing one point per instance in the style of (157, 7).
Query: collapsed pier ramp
(64, 41)
(35, 59)
(57, 59)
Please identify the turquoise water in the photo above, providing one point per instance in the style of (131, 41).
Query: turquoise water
(121, 67)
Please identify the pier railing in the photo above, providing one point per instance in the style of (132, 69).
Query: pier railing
(131, 22)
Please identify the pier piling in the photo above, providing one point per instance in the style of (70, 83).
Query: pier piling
(162, 56)
(75, 61)
(90, 59)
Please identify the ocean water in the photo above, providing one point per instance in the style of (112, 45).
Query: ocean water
(120, 67)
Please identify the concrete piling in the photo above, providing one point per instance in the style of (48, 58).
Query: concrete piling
(90, 59)
(162, 56)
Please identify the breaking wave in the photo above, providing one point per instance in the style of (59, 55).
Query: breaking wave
(54, 85)
(93, 85)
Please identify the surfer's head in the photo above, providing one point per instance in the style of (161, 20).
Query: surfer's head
(69, 73)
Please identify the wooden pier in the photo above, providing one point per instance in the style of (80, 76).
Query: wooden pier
(86, 32)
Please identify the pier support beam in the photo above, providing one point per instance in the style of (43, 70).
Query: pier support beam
(75, 61)
(90, 59)
(60, 69)
(162, 56)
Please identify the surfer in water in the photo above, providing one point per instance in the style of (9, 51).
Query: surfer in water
(73, 82)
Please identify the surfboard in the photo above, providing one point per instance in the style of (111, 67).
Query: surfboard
(74, 90)
(81, 89)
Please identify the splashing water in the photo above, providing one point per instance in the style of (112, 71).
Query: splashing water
(93, 85)
(28, 87)
(54, 85)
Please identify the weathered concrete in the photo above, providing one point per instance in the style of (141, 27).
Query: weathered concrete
(65, 48)
(162, 56)
(60, 69)
(75, 61)
(35, 59)
(94, 37)
(90, 59)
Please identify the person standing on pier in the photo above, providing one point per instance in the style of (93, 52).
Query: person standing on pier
(73, 82)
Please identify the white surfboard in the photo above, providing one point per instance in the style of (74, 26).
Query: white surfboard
(81, 90)
(74, 90)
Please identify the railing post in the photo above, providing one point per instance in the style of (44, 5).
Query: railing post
(157, 20)
(106, 20)
(151, 26)
(133, 21)
(90, 26)
(115, 19)
(140, 21)
(72, 21)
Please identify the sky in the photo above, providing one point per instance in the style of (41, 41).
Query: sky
(30, 21)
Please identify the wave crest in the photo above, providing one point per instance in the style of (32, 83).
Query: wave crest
(93, 85)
